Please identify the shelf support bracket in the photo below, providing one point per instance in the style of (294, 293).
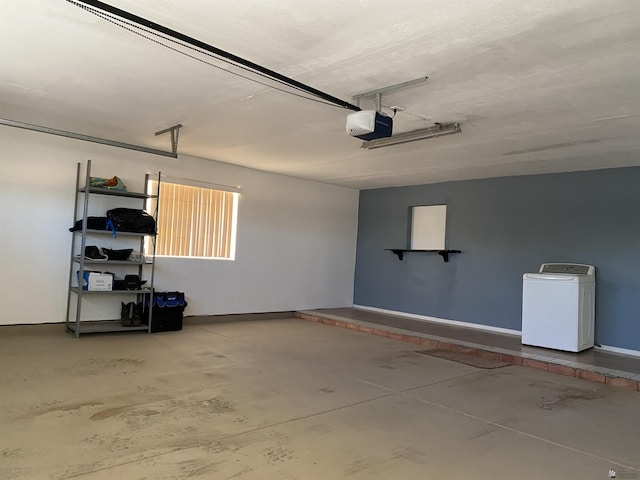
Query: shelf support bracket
(399, 253)
(175, 132)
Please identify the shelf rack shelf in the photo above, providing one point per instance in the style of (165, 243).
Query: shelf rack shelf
(78, 291)
(116, 193)
(109, 232)
(105, 326)
(111, 262)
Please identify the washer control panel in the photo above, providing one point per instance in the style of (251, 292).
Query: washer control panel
(567, 268)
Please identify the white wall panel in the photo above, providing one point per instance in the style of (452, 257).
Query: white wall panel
(295, 241)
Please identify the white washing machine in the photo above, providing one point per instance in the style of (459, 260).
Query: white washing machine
(558, 306)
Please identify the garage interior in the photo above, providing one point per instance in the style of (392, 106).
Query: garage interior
(316, 350)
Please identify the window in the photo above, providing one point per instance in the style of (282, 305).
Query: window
(195, 221)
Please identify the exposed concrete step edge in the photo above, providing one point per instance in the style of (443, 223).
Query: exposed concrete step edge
(584, 371)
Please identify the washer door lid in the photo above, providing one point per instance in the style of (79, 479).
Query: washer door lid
(556, 277)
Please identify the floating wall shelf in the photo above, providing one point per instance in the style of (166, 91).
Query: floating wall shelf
(401, 251)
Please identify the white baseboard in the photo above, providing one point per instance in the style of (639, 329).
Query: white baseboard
(623, 351)
(457, 323)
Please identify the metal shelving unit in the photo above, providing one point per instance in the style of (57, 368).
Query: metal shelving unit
(79, 263)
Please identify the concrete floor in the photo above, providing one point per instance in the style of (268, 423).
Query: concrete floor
(291, 399)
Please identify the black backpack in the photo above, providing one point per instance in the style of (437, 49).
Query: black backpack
(131, 220)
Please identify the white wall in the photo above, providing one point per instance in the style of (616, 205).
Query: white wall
(295, 244)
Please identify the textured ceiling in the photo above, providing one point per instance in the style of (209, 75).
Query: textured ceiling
(538, 87)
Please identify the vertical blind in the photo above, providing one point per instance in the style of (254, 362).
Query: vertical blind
(194, 222)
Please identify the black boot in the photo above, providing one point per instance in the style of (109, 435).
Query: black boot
(127, 314)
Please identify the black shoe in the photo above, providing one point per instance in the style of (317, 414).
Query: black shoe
(93, 253)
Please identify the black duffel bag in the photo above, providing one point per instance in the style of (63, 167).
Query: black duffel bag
(131, 220)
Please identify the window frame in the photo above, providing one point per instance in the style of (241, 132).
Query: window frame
(232, 194)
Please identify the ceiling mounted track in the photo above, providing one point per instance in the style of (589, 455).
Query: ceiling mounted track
(86, 138)
(185, 39)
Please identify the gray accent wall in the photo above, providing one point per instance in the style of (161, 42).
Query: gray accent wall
(506, 227)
